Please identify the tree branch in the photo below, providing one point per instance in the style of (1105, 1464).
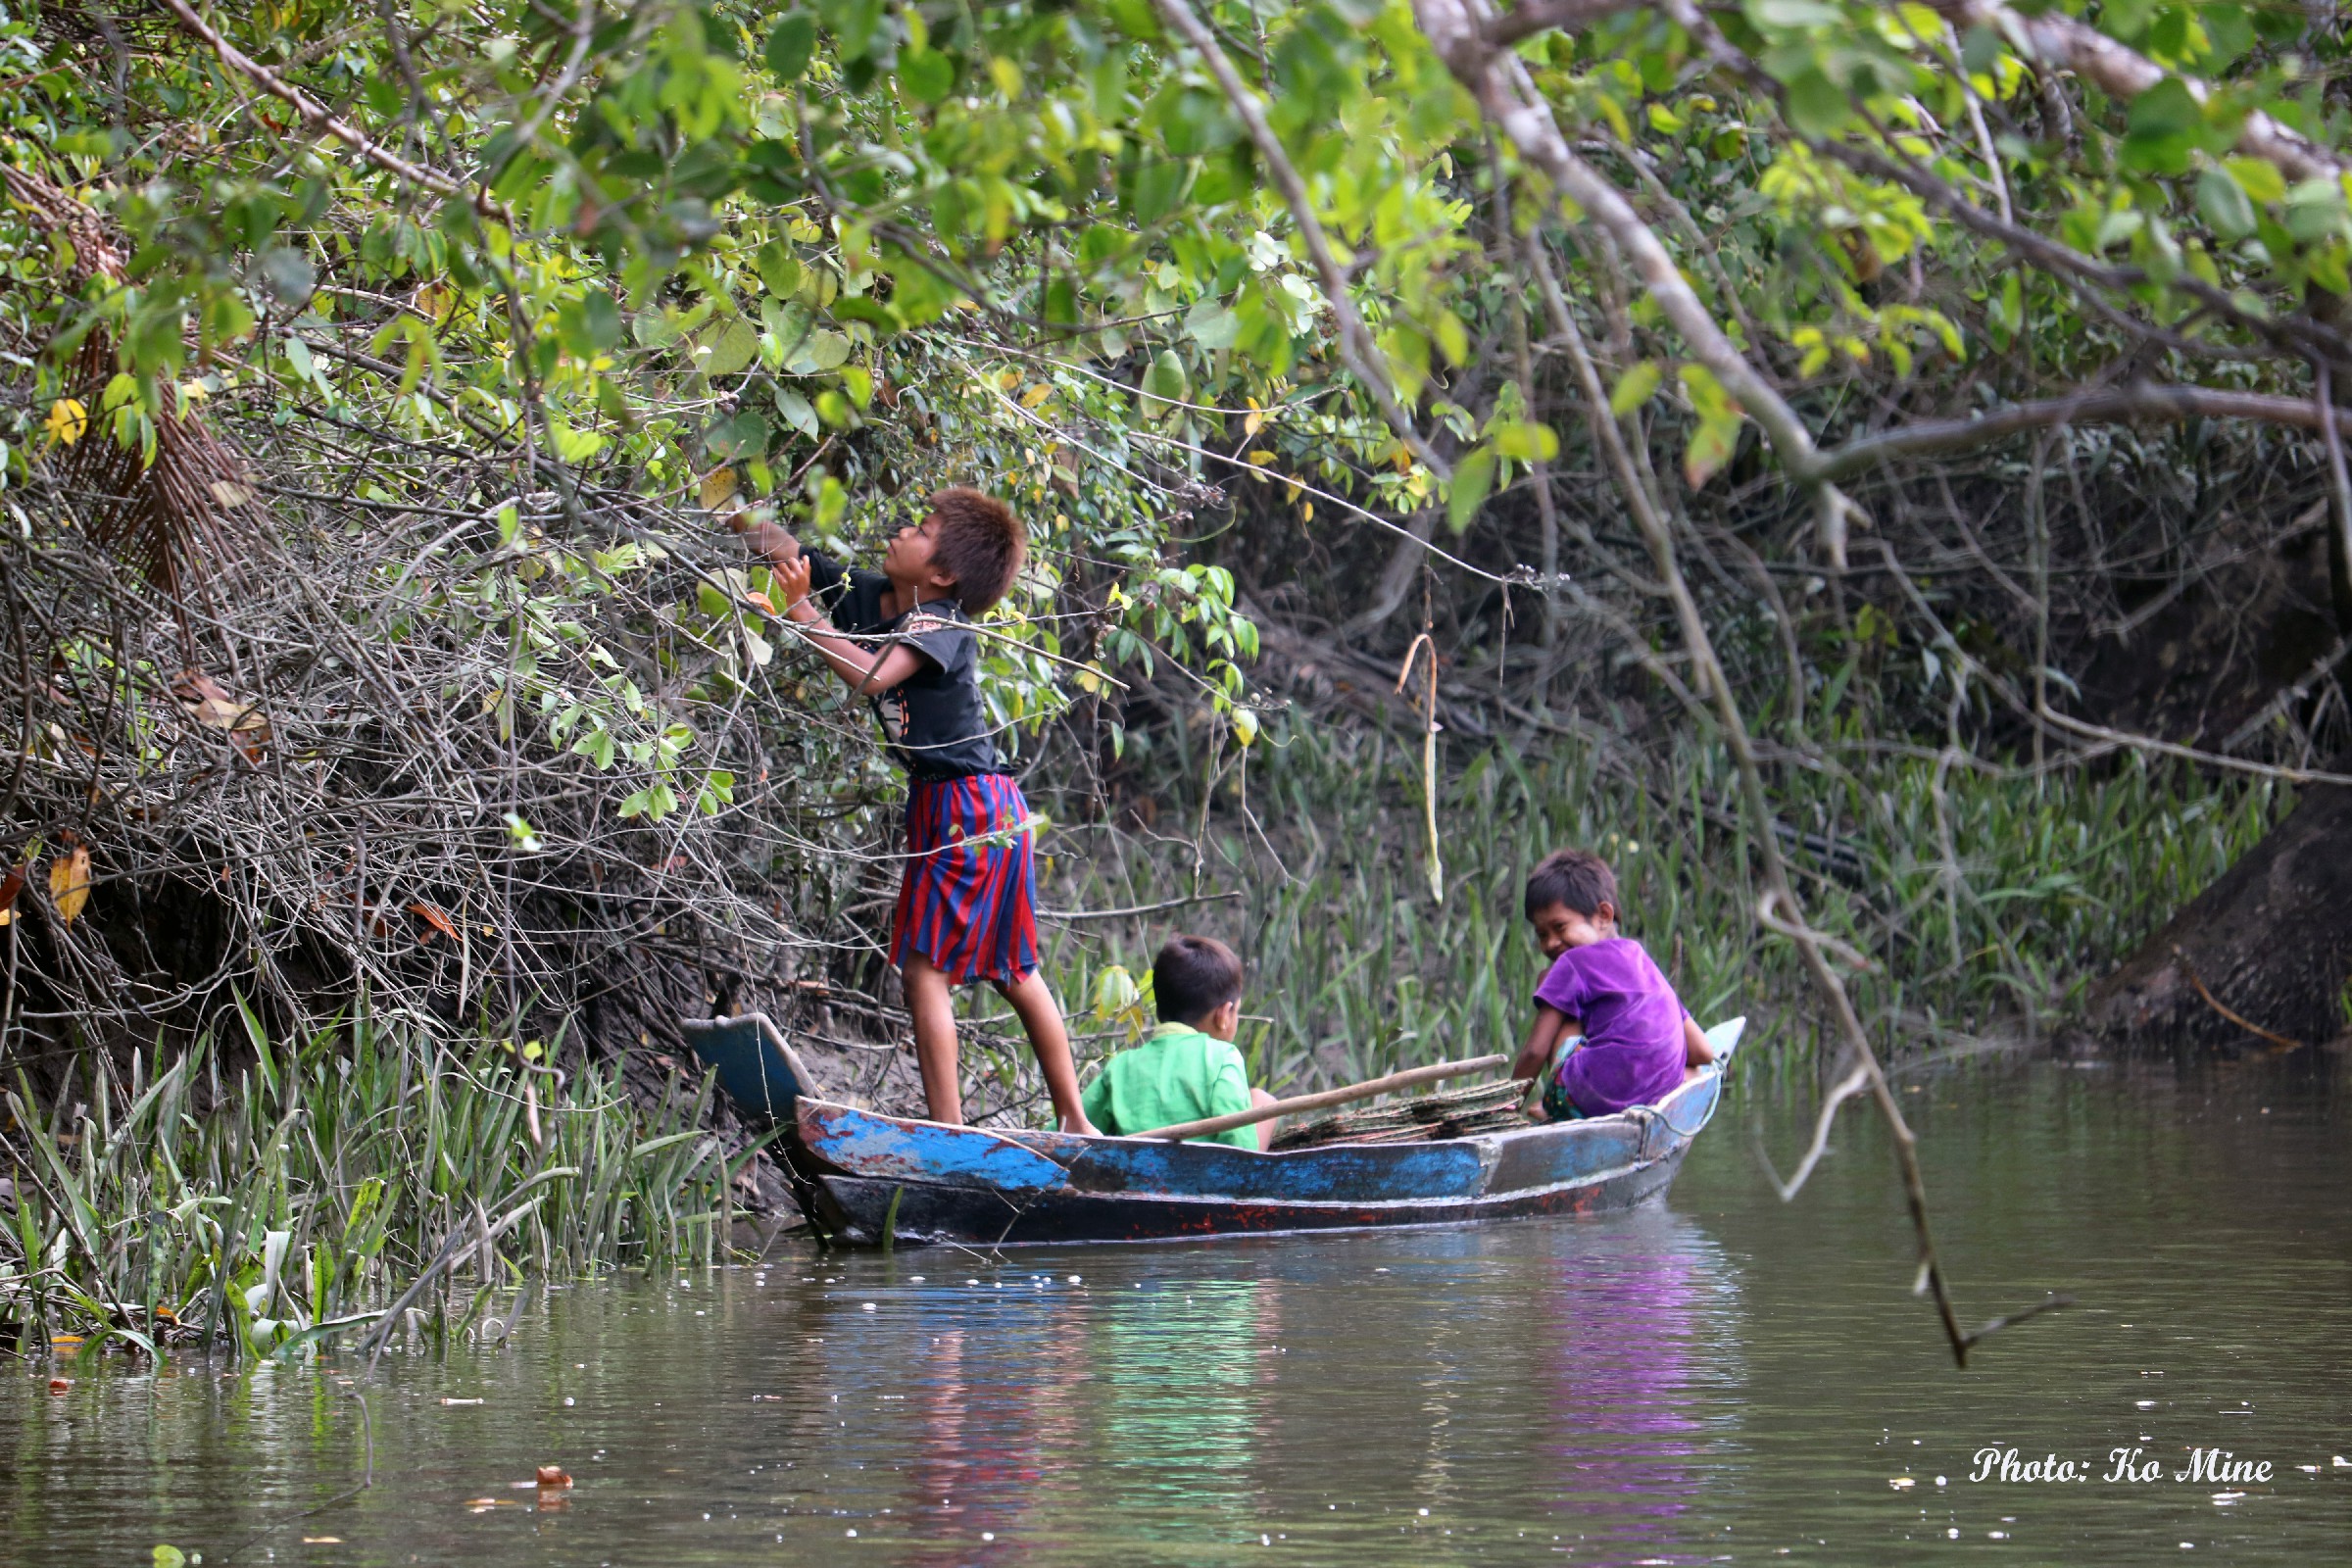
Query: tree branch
(2055, 38)
(1780, 894)
(1357, 348)
(1541, 16)
(2141, 400)
(1508, 98)
(317, 118)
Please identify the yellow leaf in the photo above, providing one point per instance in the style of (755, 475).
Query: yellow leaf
(1245, 727)
(69, 883)
(718, 488)
(1261, 456)
(1036, 395)
(1252, 419)
(68, 420)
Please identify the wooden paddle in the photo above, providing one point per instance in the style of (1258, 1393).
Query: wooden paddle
(1329, 1097)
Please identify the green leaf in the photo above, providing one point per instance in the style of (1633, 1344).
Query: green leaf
(1453, 338)
(1979, 50)
(600, 313)
(2224, 203)
(1473, 481)
(1817, 106)
(926, 76)
(730, 350)
(790, 44)
(1711, 447)
(286, 275)
(1166, 380)
(1717, 436)
(796, 411)
(1524, 441)
(1635, 388)
(779, 270)
(818, 353)
(2163, 127)
(854, 24)
(1212, 325)
(2258, 177)
(1792, 14)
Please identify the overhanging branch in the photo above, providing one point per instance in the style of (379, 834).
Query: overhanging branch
(1508, 98)
(1356, 347)
(2141, 400)
(2057, 40)
(319, 120)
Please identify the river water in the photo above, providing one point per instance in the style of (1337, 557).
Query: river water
(1722, 1378)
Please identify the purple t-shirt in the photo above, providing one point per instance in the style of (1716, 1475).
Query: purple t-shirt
(1633, 1049)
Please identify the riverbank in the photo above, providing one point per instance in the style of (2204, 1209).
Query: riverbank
(278, 1195)
(352, 1185)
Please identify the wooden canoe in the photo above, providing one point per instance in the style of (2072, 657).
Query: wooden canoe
(866, 1179)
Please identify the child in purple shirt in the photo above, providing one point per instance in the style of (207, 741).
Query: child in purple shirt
(1636, 1042)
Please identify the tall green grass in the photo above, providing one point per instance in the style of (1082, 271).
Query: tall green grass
(2048, 881)
(271, 1205)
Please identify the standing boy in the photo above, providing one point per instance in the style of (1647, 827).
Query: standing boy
(1188, 1069)
(903, 638)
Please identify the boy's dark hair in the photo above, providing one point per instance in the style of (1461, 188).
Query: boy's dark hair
(1576, 879)
(980, 544)
(1193, 977)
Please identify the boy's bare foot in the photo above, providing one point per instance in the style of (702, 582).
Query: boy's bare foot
(1081, 1126)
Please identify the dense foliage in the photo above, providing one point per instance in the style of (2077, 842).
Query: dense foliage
(379, 383)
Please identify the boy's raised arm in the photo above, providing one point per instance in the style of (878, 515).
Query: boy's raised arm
(863, 669)
(771, 543)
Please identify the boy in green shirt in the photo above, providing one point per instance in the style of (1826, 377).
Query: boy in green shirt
(1188, 1069)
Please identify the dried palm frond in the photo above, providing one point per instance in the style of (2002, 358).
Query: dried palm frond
(1451, 1114)
(165, 516)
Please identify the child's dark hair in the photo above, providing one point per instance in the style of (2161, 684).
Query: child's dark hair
(1575, 879)
(1193, 977)
(980, 544)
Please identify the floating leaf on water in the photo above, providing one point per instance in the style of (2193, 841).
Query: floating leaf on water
(170, 1558)
(554, 1475)
(60, 1385)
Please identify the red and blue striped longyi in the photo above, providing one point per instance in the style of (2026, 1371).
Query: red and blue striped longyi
(969, 908)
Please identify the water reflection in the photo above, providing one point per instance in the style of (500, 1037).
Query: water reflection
(1621, 1333)
(1731, 1379)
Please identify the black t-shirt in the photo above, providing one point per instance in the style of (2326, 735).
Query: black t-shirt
(933, 719)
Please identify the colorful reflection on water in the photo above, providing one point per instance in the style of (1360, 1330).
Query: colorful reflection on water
(1722, 1378)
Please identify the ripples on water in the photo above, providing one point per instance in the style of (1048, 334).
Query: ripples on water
(1722, 1379)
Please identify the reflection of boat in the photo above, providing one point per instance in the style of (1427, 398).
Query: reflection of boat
(867, 1178)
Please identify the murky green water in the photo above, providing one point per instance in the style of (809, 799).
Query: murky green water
(1722, 1380)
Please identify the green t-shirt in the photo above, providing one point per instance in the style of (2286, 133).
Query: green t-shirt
(1179, 1074)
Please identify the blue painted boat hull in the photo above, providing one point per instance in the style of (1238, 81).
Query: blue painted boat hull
(868, 1179)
